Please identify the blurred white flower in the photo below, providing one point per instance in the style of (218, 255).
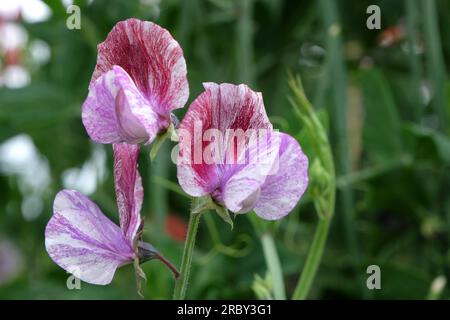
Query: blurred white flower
(40, 51)
(19, 157)
(12, 36)
(15, 76)
(86, 178)
(67, 3)
(32, 11)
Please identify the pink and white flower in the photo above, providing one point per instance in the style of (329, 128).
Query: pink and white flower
(139, 79)
(267, 174)
(84, 242)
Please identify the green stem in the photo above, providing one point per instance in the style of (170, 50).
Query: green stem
(412, 14)
(338, 77)
(313, 260)
(325, 202)
(245, 41)
(182, 282)
(273, 263)
(436, 65)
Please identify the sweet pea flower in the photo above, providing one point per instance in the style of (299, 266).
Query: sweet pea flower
(139, 79)
(83, 241)
(271, 186)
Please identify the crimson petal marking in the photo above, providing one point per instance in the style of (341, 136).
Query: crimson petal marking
(236, 107)
(282, 190)
(196, 179)
(83, 241)
(129, 191)
(223, 107)
(153, 59)
(115, 111)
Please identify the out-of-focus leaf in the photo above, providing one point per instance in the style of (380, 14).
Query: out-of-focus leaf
(381, 133)
(36, 106)
(428, 142)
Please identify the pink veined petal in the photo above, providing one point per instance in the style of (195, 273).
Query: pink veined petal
(153, 59)
(242, 187)
(83, 241)
(283, 189)
(129, 191)
(223, 107)
(196, 178)
(115, 111)
(236, 107)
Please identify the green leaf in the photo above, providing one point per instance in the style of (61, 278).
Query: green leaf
(425, 137)
(382, 132)
(225, 215)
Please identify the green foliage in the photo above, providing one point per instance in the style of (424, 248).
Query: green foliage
(381, 128)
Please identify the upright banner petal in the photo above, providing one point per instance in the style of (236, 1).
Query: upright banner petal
(152, 58)
(223, 110)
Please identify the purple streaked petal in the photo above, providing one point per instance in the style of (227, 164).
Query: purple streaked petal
(282, 190)
(153, 59)
(241, 189)
(115, 111)
(129, 191)
(222, 107)
(131, 130)
(83, 241)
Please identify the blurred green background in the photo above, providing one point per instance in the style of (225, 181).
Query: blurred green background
(383, 94)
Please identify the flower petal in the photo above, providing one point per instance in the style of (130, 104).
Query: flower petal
(236, 107)
(115, 110)
(129, 191)
(152, 58)
(83, 241)
(282, 190)
(221, 107)
(242, 188)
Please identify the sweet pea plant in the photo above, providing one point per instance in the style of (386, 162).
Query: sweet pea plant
(231, 160)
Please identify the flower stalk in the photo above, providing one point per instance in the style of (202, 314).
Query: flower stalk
(186, 261)
(168, 264)
(323, 185)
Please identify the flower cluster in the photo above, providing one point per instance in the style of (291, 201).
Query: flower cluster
(229, 152)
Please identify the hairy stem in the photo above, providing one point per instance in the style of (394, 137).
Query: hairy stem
(436, 66)
(412, 19)
(169, 265)
(325, 201)
(313, 260)
(182, 282)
